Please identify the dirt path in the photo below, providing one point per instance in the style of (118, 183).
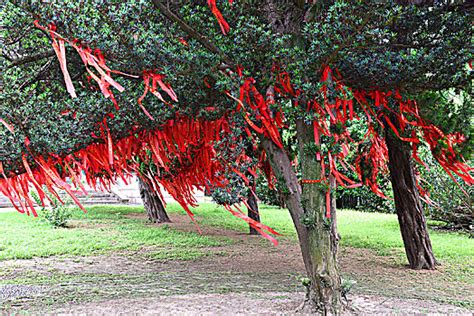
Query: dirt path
(267, 303)
(249, 276)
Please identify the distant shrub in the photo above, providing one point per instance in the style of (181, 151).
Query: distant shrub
(57, 214)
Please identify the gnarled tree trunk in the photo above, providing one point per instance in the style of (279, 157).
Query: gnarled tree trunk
(317, 235)
(152, 202)
(408, 205)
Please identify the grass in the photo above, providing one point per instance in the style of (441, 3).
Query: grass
(376, 231)
(120, 229)
(106, 228)
(103, 228)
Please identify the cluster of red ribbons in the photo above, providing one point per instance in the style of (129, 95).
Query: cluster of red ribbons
(260, 106)
(182, 150)
(103, 75)
(225, 28)
(372, 159)
(94, 59)
(334, 113)
(156, 79)
(405, 118)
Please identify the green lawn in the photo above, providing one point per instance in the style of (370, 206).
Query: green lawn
(106, 228)
(376, 231)
(103, 228)
(358, 229)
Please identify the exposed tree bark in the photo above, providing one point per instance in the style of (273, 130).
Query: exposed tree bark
(30, 58)
(281, 200)
(408, 205)
(253, 212)
(152, 202)
(318, 236)
(325, 290)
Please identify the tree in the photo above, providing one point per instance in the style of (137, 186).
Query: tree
(252, 209)
(451, 199)
(405, 186)
(408, 206)
(153, 204)
(309, 67)
(152, 199)
(236, 192)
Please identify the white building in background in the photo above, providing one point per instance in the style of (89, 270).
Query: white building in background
(130, 193)
(121, 193)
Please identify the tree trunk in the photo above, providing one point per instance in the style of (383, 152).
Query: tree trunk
(317, 235)
(253, 212)
(408, 205)
(152, 202)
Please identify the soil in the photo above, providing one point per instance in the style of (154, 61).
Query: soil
(251, 276)
(268, 303)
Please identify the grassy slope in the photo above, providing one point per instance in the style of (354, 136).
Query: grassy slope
(105, 228)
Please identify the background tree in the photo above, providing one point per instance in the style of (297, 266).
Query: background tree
(152, 201)
(450, 200)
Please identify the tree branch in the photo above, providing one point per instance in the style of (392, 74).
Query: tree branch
(191, 31)
(37, 76)
(13, 41)
(31, 58)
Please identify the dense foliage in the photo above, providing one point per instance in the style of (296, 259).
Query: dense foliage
(355, 42)
(451, 202)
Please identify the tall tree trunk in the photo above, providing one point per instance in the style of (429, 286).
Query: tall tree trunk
(408, 205)
(152, 202)
(253, 212)
(317, 235)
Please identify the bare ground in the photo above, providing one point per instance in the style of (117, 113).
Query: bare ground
(248, 277)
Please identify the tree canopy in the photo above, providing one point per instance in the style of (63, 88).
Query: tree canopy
(392, 47)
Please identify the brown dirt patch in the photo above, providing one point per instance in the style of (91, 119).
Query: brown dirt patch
(379, 275)
(86, 225)
(268, 303)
